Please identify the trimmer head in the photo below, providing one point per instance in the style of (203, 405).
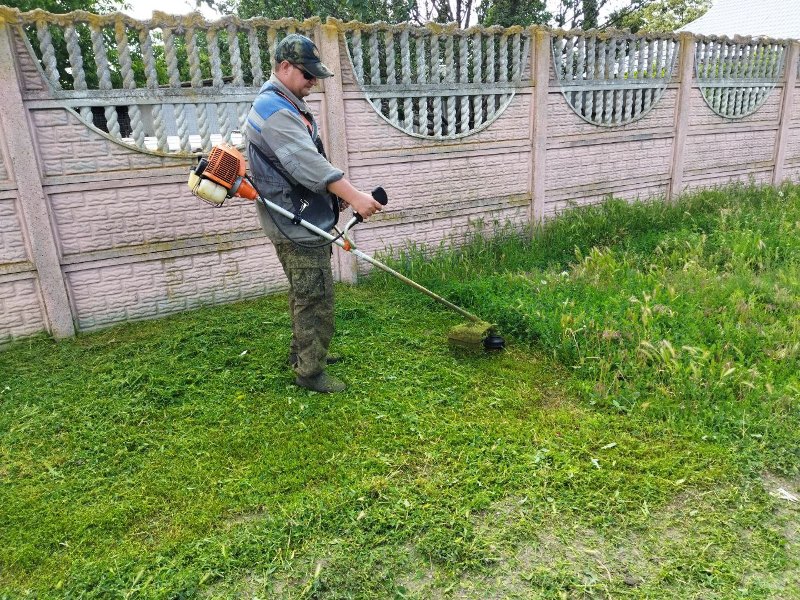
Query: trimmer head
(494, 342)
(477, 335)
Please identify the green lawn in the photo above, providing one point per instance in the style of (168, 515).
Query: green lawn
(632, 441)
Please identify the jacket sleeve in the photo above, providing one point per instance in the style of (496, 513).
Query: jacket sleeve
(286, 134)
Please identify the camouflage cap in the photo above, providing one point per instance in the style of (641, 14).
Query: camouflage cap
(303, 53)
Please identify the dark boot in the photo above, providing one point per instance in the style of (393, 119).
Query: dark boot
(322, 382)
(331, 359)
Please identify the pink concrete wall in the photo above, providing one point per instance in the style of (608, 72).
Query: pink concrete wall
(20, 307)
(12, 244)
(132, 243)
(438, 189)
(68, 147)
(586, 163)
(21, 310)
(20, 303)
(721, 151)
(29, 75)
(109, 292)
(792, 169)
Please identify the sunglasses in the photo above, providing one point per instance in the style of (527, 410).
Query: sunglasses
(306, 75)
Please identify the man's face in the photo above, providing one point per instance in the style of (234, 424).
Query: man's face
(298, 80)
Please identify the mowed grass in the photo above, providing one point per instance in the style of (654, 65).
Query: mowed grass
(639, 438)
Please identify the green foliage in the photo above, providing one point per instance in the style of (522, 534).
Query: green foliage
(513, 12)
(645, 15)
(650, 15)
(625, 445)
(65, 6)
(661, 15)
(57, 33)
(367, 11)
(582, 14)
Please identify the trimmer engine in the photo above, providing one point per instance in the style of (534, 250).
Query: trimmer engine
(221, 176)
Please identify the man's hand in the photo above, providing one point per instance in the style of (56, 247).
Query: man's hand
(362, 203)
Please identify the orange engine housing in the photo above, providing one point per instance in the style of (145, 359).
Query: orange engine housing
(225, 165)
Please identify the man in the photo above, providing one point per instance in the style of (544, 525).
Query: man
(284, 150)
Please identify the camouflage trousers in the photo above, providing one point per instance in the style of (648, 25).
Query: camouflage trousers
(310, 304)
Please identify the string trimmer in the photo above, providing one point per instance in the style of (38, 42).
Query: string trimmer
(223, 175)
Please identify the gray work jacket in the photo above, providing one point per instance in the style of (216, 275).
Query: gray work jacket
(276, 128)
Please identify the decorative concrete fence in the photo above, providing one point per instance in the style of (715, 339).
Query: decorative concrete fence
(103, 115)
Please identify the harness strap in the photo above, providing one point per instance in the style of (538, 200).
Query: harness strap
(309, 126)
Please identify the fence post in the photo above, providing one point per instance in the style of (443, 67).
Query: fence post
(540, 78)
(683, 108)
(789, 82)
(25, 172)
(335, 126)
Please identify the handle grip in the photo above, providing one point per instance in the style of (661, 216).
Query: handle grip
(380, 196)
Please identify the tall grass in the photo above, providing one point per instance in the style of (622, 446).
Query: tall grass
(688, 312)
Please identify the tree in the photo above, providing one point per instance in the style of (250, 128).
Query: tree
(513, 12)
(64, 6)
(647, 15)
(591, 13)
(445, 11)
(582, 14)
(368, 11)
(661, 15)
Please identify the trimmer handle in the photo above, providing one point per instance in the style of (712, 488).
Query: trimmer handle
(380, 196)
